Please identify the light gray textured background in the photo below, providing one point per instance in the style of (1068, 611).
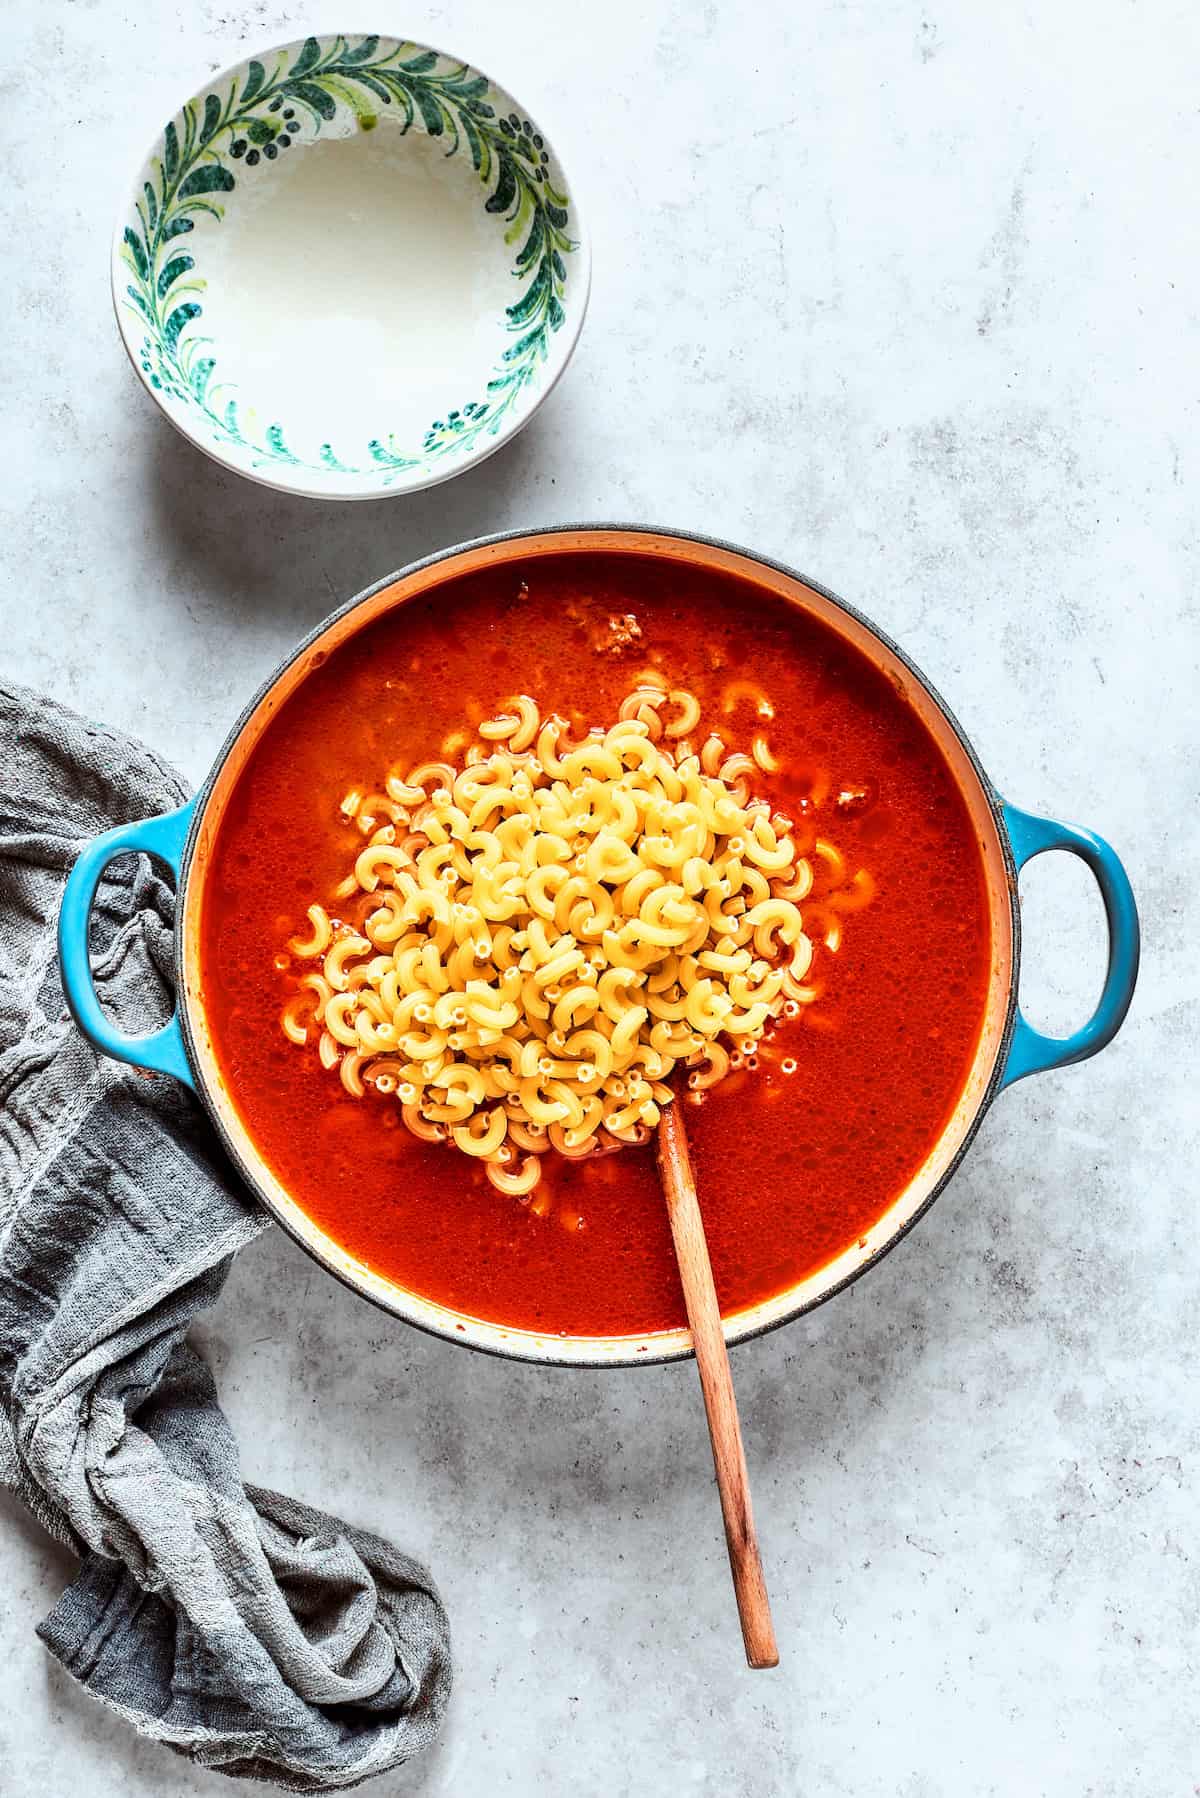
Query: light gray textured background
(905, 295)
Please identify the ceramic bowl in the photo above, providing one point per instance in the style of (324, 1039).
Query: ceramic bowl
(349, 267)
(1008, 1049)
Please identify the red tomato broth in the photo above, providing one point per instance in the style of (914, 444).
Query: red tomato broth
(792, 1168)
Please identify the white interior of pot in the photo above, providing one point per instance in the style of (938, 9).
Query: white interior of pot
(665, 1345)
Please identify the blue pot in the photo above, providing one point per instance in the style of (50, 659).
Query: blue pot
(1010, 1048)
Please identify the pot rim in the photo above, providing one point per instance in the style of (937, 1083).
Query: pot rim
(646, 1357)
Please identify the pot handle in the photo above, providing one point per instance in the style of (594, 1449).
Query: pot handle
(163, 838)
(1030, 1052)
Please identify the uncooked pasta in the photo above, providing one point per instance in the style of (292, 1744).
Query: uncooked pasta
(534, 937)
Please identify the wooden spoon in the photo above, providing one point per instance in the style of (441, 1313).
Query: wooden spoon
(716, 1383)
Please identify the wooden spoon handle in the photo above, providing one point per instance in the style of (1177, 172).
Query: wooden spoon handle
(716, 1383)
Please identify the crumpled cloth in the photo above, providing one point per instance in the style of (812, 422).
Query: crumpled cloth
(240, 1627)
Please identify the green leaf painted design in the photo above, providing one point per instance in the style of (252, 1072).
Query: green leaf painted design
(201, 376)
(308, 58)
(137, 250)
(210, 179)
(207, 142)
(181, 316)
(506, 186)
(364, 53)
(275, 439)
(430, 109)
(178, 265)
(322, 103)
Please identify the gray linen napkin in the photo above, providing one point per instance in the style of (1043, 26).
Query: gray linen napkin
(234, 1624)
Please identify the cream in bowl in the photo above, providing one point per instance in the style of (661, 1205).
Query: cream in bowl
(350, 267)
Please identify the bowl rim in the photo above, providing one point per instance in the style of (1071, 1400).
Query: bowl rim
(567, 337)
(651, 1356)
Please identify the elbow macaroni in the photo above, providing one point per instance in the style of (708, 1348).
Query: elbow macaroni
(545, 931)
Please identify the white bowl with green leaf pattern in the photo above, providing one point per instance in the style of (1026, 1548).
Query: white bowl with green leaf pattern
(350, 267)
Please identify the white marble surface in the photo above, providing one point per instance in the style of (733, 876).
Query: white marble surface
(906, 295)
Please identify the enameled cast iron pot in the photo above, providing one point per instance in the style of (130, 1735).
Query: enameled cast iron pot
(1008, 1048)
